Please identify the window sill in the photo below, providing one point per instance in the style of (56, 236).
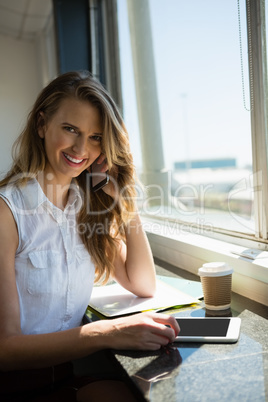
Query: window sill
(189, 251)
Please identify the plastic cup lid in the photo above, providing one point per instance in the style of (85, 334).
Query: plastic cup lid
(215, 269)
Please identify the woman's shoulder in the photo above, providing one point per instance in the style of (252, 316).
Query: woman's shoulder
(16, 198)
(8, 228)
(14, 189)
(7, 195)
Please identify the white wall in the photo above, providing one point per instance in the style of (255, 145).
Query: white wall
(46, 52)
(25, 67)
(19, 85)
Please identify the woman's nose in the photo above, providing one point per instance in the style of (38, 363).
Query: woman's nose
(79, 147)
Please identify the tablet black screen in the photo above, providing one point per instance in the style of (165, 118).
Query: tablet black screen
(203, 327)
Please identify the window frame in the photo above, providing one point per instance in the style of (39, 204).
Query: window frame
(256, 32)
(258, 94)
(188, 250)
(105, 64)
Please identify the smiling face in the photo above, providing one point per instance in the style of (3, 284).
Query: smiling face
(72, 139)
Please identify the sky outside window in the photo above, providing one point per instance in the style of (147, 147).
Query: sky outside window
(198, 67)
(204, 108)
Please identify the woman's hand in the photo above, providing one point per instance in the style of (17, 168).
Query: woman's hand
(144, 331)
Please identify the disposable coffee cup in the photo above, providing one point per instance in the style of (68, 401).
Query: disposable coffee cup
(216, 279)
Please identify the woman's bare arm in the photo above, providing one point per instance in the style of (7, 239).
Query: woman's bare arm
(145, 331)
(134, 265)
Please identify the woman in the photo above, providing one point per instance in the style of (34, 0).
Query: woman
(57, 237)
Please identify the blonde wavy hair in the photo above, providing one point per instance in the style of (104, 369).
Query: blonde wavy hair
(99, 210)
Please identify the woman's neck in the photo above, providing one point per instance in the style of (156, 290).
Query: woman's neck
(56, 191)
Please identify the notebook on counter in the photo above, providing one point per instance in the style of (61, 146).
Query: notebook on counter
(113, 300)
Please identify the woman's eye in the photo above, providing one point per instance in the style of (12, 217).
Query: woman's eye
(70, 129)
(97, 138)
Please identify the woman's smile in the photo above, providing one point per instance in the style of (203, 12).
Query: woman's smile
(72, 160)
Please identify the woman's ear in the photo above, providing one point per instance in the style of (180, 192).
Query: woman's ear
(41, 125)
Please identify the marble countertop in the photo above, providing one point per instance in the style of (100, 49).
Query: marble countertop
(193, 372)
(204, 372)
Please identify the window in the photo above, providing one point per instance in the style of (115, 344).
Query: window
(194, 98)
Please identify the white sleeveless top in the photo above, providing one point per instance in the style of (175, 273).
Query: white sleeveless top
(54, 271)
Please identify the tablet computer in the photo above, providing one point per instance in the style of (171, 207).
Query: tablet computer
(208, 329)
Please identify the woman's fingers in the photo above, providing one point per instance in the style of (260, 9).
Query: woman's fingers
(169, 321)
(145, 331)
(101, 158)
